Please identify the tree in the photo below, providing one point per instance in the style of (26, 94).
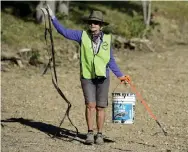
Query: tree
(62, 7)
(146, 12)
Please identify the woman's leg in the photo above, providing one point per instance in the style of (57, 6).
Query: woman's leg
(100, 118)
(89, 114)
(102, 101)
(89, 91)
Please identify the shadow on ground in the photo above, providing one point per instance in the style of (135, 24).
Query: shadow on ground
(51, 130)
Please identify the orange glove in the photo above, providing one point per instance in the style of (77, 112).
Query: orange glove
(125, 79)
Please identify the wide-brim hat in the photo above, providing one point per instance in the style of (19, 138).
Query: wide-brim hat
(96, 16)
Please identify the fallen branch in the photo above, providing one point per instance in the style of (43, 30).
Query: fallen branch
(121, 42)
(11, 57)
(25, 50)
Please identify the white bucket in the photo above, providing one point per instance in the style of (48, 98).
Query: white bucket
(123, 108)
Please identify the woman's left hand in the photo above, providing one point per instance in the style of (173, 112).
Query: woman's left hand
(125, 79)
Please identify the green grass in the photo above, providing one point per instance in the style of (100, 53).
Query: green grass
(17, 32)
(121, 23)
(177, 10)
(125, 19)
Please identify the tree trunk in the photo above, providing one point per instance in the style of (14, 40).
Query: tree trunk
(39, 14)
(42, 4)
(144, 6)
(52, 5)
(147, 12)
(63, 7)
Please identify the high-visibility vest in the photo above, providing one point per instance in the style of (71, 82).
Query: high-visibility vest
(94, 65)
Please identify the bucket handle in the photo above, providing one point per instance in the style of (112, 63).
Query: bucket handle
(118, 85)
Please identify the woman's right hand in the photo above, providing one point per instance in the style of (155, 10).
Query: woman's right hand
(50, 11)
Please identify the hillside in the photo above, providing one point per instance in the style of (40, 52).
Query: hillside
(169, 26)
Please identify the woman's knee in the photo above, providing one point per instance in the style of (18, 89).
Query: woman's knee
(100, 108)
(91, 105)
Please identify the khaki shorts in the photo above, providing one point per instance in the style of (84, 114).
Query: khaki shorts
(96, 90)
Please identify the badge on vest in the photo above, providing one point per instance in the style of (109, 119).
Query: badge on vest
(105, 45)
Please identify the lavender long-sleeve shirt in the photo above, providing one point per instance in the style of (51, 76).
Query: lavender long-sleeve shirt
(76, 35)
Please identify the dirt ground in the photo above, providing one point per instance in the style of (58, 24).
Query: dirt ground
(31, 109)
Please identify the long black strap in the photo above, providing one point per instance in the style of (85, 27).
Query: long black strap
(54, 75)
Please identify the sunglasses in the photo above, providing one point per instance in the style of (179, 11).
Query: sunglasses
(94, 22)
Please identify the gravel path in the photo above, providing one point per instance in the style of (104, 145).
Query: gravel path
(32, 109)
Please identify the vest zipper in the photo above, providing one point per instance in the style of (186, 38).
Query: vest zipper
(94, 56)
(93, 59)
(94, 67)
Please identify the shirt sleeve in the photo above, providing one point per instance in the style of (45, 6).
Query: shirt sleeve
(67, 33)
(113, 65)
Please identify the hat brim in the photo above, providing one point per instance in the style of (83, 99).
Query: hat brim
(86, 19)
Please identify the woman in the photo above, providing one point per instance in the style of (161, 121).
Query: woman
(96, 58)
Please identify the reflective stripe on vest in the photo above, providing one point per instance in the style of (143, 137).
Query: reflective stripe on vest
(94, 65)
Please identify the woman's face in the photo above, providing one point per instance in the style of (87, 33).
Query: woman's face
(94, 26)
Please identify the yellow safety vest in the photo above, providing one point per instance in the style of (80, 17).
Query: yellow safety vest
(94, 65)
